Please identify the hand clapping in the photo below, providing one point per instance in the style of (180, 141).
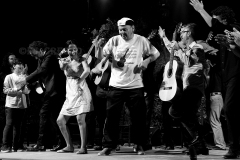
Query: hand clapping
(236, 36)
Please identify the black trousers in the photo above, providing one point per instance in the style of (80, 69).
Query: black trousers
(97, 118)
(185, 110)
(48, 114)
(137, 108)
(11, 132)
(167, 124)
(232, 111)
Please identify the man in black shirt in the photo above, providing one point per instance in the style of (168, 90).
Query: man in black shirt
(223, 19)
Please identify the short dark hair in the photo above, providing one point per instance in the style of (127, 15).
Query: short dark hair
(193, 29)
(18, 62)
(38, 45)
(225, 13)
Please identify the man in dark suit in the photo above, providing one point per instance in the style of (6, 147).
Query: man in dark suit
(52, 78)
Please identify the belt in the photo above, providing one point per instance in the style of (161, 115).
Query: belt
(215, 93)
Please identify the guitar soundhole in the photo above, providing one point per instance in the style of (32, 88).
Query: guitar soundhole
(169, 73)
(103, 64)
(167, 88)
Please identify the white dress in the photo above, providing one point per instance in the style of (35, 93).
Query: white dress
(78, 96)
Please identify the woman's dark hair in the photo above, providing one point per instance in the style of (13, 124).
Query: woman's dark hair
(38, 45)
(5, 66)
(225, 13)
(74, 42)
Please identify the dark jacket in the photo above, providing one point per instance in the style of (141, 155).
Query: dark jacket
(50, 75)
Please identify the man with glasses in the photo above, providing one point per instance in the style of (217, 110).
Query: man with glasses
(185, 108)
(51, 76)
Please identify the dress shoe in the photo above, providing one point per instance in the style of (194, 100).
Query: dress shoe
(117, 148)
(105, 152)
(36, 148)
(169, 147)
(202, 151)
(135, 148)
(56, 148)
(5, 149)
(139, 150)
(232, 154)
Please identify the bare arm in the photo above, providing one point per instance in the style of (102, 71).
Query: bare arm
(198, 6)
(86, 70)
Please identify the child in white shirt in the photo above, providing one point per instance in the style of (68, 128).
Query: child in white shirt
(14, 107)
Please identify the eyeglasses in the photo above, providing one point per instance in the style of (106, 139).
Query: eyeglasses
(183, 32)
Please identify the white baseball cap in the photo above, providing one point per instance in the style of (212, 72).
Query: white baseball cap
(125, 21)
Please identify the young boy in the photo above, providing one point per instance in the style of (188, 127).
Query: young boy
(14, 108)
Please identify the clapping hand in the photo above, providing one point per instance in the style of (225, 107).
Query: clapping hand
(236, 36)
(21, 82)
(197, 5)
(222, 39)
(230, 38)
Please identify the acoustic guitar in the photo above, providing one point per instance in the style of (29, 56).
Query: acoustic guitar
(169, 89)
(104, 66)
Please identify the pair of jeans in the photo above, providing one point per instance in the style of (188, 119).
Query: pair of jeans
(11, 132)
(48, 115)
(216, 106)
(232, 110)
(134, 99)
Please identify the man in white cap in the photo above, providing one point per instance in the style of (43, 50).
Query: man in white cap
(131, 53)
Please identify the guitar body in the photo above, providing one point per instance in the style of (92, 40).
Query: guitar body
(171, 86)
(103, 79)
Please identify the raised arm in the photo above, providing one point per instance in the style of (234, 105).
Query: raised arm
(198, 6)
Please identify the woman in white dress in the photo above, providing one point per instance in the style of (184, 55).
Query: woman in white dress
(78, 97)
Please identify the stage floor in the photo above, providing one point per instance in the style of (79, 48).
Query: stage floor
(125, 153)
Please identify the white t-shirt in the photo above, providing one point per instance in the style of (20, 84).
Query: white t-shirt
(128, 76)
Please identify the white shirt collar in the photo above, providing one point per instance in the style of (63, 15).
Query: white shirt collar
(192, 44)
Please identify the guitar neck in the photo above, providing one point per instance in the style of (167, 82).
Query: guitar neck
(171, 58)
(91, 48)
(106, 58)
(89, 51)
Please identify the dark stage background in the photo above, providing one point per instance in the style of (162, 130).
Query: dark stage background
(56, 21)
